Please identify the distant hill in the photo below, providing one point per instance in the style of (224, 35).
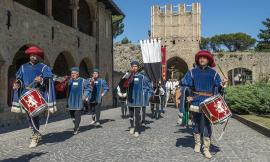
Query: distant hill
(124, 54)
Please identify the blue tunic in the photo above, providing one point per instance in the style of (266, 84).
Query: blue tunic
(139, 91)
(76, 90)
(26, 76)
(100, 85)
(202, 80)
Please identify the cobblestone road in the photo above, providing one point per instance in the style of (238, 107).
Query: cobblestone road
(161, 140)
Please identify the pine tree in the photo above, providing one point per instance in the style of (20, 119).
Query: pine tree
(264, 36)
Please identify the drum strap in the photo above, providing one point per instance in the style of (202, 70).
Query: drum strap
(45, 126)
(222, 131)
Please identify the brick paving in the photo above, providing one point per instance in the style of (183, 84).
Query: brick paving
(161, 140)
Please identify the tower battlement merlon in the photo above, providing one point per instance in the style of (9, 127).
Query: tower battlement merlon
(178, 9)
(196, 8)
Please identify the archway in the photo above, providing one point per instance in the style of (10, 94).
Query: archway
(61, 68)
(62, 12)
(85, 18)
(86, 67)
(240, 76)
(176, 68)
(63, 63)
(19, 59)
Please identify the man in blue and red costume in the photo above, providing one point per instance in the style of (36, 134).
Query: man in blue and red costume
(34, 74)
(138, 88)
(78, 92)
(203, 82)
(100, 89)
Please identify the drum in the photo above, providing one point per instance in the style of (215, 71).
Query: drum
(216, 109)
(33, 102)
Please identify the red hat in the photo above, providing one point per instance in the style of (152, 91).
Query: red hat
(208, 55)
(33, 50)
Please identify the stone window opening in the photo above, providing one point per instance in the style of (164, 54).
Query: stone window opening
(36, 5)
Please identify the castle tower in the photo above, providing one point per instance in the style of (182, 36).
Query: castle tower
(179, 28)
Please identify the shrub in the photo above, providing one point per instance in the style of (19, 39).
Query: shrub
(250, 98)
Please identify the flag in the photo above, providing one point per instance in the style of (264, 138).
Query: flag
(151, 53)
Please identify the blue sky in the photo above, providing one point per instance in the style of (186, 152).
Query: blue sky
(218, 16)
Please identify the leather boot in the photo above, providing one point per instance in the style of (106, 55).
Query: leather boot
(35, 139)
(197, 138)
(206, 147)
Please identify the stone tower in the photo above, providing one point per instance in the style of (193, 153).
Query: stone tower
(179, 28)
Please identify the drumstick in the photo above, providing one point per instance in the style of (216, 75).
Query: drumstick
(29, 86)
(221, 71)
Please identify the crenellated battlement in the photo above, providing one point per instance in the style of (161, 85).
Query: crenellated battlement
(176, 22)
(194, 8)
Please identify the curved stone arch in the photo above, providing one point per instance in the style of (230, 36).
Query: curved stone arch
(86, 17)
(13, 53)
(86, 67)
(62, 63)
(242, 66)
(92, 7)
(189, 60)
(240, 75)
(176, 67)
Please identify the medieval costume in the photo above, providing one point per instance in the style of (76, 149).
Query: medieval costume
(34, 75)
(138, 84)
(203, 82)
(100, 89)
(163, 99)
(122, 94)
(78, 91)
(156, 101)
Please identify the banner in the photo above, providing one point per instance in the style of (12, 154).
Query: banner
(163, 62)
(151, 53)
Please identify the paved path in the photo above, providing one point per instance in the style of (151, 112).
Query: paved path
(161, 141)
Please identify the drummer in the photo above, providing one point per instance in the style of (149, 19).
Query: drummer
(37, 75)
(204, 82)
(79, 90)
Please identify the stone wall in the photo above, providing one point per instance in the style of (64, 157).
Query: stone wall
(258, 63)
(28, 26)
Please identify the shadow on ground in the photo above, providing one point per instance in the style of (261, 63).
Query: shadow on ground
(25, 158)
(188, 141)
(57, 137)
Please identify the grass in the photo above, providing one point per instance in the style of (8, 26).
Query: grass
(262, 120)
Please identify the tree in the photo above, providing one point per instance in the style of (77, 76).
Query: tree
(233, 42)
(117, 25)
(125, 41)
(228, 41)
(205, 43)
(242, 41)
(215, 43)
(264, 36)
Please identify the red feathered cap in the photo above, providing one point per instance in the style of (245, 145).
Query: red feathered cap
(33, 50)
(208, 55)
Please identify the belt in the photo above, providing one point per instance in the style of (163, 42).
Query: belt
(203, 94)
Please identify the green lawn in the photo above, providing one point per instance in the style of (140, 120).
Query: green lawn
(264, 121)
